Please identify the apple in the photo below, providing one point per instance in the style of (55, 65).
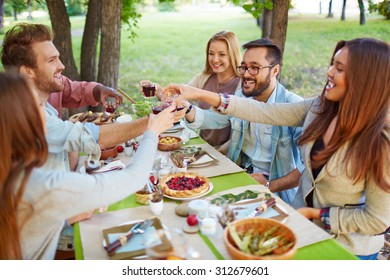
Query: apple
(192, 220)
(120, 149)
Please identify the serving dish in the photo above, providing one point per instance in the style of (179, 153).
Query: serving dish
(276, 240)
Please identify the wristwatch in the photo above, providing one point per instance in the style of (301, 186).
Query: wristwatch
(267, 185)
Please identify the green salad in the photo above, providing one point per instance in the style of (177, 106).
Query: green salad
(142, 108)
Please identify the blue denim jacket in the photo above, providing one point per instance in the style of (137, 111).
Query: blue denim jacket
(285, 152)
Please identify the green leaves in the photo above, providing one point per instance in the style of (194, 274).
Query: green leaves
(256, 8)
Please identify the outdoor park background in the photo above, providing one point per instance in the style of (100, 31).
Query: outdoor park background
(170, 45)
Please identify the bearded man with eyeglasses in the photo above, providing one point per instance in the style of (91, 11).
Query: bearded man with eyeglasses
(269, 153)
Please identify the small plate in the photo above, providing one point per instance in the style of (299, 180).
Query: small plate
(175, 128)
(193, 197)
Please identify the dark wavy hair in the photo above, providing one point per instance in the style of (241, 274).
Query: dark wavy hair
(363, 115)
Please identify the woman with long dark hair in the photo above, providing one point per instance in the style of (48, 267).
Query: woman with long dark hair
(345, 143)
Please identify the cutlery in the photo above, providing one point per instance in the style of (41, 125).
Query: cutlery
(138, 228)
(263, 207)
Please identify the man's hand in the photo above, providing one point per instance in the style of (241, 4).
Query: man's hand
(101, 93)
(259, 177)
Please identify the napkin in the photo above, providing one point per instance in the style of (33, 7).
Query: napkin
(115, 165)
(134, 247)
(243, 209)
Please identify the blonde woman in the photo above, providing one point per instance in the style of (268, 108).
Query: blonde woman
(219, 75)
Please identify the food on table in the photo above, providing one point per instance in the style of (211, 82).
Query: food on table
(84, 116)
(142, 108)
(192, 220)
(185, 185)
(105, 117)
(92, 116)
(120, 149)
(168, 140)
(169, 143)
(231, 198)
(95, 117)
(262, 240)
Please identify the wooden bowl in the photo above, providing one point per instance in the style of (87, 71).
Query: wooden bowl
(109, 152)
(260, 225)
(169, 143)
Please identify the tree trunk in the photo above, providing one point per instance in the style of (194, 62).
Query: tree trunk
(110, 43)
(279, 25)
(362, 20)
(279, 22)
(343, 10)
(330, 14)
(90, 39)
(2, 16)
(62, 36)
(29, 8)
(267, 23)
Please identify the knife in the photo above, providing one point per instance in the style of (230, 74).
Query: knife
(138, 228)
(263, 207)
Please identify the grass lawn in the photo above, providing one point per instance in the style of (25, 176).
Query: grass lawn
(170, 46)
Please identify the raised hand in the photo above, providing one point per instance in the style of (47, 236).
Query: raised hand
(162, 121)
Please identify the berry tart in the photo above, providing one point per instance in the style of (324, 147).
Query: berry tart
(185, 185)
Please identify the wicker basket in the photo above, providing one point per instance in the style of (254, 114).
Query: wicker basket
(259, 224)
(142, 197)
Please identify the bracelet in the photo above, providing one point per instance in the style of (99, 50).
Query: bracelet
(324, 217)
(189, 109)
(267, 185)
(225, 100)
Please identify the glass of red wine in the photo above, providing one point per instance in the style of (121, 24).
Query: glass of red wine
(148, 89)
(111, 105)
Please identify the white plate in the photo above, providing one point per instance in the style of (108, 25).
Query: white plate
(192, 197)
(174, 128)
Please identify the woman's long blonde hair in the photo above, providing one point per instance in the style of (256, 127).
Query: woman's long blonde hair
(362, 115)
(233, 45)
(23, 147)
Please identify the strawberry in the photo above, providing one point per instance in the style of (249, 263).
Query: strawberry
(120, 149)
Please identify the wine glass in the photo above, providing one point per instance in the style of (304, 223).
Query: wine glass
(111, 106)
(148, 89)
(166, 244)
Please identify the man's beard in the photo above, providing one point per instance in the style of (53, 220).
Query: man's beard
(45, 84)
(259, 87)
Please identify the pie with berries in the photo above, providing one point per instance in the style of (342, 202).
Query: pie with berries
(184, 185)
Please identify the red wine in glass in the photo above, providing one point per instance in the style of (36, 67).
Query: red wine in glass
(110, 109)
(111, 102)
(156, 109)
(149, 90)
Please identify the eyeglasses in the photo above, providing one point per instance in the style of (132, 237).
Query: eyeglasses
(252, 70)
